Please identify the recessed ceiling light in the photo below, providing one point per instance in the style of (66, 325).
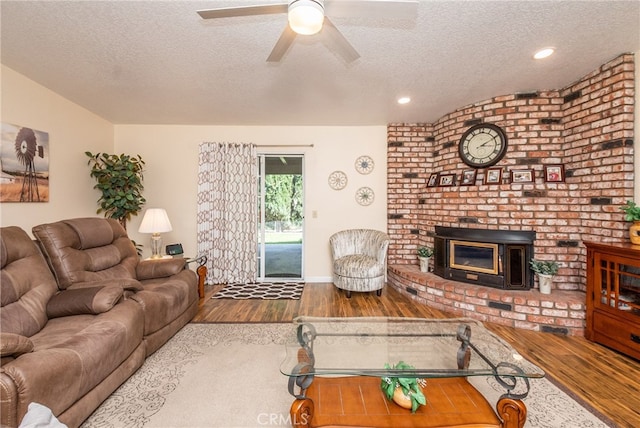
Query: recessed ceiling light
(404, 100)
(543, 53)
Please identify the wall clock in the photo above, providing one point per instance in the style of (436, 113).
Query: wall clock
(364, 164)
(483, 145)
(337, 180)
(364, 196)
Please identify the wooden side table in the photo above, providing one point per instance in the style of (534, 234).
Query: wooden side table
(201, 271)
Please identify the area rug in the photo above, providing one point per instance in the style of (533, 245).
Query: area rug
(261, 290)
(227, 375)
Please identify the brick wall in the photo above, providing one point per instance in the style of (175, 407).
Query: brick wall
(561, 312)
(587, 127)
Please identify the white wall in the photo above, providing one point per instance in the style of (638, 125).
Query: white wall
(171, 156)
(72, 131)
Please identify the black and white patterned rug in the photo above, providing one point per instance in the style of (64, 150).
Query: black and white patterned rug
(261, 290)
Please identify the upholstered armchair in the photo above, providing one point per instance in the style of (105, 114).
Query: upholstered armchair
(359, 260)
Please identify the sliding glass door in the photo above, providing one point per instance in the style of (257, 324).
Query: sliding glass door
(281, 217)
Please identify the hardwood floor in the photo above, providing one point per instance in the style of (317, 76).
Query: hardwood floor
(602, 378)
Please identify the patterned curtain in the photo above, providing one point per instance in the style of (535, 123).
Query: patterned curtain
(227, 211)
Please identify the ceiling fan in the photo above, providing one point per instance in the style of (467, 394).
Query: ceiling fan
(307, 17)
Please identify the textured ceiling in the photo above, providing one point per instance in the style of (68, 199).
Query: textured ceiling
(158, 62)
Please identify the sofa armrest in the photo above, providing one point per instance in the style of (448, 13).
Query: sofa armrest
(14, 345)
(78, 301)
(162, 268)
(127, 284)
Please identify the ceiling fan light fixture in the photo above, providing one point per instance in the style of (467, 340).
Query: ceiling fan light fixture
(306, 16)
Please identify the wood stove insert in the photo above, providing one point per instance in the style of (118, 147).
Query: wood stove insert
(494, 258)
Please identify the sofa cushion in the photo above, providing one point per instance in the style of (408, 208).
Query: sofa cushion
(26, 283)
(165, 299)
(94, 300)
(91, 233)
(358, 266)
(87, 249)
(73, 354)
(14, 345)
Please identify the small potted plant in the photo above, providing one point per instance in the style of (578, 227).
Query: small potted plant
(546, 270)
(632, 214)
(424, 254)
(404, 391)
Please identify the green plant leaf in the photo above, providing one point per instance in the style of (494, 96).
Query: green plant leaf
(410, 386)
(425, 251)
(631, 210)
(120, 180)
(544, 267)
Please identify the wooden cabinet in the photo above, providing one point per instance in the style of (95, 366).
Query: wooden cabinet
(613, 296)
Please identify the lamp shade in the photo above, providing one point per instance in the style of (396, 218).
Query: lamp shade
(306, 16)
(155, 220)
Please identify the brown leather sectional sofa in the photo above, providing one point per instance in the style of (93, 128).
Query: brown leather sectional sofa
(80, 313)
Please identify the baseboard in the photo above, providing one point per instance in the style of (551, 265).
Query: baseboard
(319, 279)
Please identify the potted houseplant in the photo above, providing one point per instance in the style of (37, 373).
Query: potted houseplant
(119, 179)
(546, 270)
(404, 391)
(424, 255)
(632, 214)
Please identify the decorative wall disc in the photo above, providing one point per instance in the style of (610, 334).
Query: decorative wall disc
(337, 180)
(364, 196)
(364, 164)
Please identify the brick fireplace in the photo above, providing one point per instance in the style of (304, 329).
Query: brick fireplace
(587, 127)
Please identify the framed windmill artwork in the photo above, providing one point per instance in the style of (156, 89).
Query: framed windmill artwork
(24, 164)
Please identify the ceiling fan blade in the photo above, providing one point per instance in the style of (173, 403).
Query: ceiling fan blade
(371, 8)
(282, 45)
(339, 43)
(227, 12)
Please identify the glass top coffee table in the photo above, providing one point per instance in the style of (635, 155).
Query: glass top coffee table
(335, 367)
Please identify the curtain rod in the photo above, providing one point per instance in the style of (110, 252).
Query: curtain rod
(285, 145)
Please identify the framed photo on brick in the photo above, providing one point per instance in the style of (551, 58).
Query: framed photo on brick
(433, 180)
(468, 177)
(447, 180)
(493, 176)
(522, 176)
(554, 173)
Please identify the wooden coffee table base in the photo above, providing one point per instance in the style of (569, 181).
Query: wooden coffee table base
(358, 401)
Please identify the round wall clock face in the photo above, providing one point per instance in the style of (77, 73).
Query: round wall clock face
(483, 145)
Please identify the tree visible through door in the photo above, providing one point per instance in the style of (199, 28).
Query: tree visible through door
(281, 220)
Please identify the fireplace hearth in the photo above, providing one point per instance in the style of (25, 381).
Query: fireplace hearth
(494, 258)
